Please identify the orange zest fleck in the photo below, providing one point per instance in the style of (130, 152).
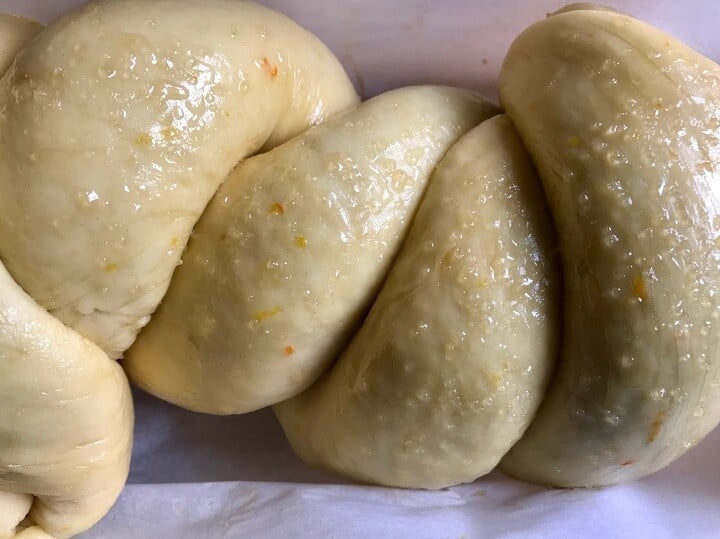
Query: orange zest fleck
(169, 133)
(269, 67)
(639, 289)
(267, 313)
(144, 139)
(174, 242)
(110, 268)
(573, 141)
(289, 350)
(656, 426)
(300, 241)
(277, 208)
(627, 462)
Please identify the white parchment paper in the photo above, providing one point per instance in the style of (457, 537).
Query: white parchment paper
(196, 476)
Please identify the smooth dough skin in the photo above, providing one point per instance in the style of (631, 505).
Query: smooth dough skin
(121, 120)
(65, 421)
(65, 409)
(13, 509)
(14, 33)
(291, 252)
(623, 123)
(579, 6)
(32, 532)
(452, 361)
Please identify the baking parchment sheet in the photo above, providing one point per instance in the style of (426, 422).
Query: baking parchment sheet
(195, 476)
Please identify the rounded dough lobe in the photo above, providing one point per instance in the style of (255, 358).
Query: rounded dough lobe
(32, 532)
(65, 421)
(582, 6)
(623, 123)
(452, 361)
(13, 509)
(14, 33)
(121, 119)
(291, 252)
(66, 414)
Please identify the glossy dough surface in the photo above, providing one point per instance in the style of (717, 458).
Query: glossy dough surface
(65, 422)
(406, 239)
(623, 123)
(290, 253)
(65, 408)
(121, 121)
(438, 385)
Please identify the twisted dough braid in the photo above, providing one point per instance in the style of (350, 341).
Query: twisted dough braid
(412, 240)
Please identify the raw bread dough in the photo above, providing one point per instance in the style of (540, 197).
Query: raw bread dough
(65, 422)
(291, 252)
(14, 33)
(65, 409)
(121, 121)
(453, 359)
(623, 123)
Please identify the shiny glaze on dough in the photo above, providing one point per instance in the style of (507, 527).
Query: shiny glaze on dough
(120, 121)
(14, 33)
(291, 252)
(453, 359)
(623, 123)
(65, 422)
(66, 413)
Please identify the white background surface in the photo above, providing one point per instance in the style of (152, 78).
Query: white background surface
(198, 476)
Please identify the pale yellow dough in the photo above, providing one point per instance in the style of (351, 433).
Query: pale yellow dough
(65, 409)
(291, 252)
(121, 121)
(125, 129)
(14, 33)
(65, 421)
(623, 123)
(453, 359)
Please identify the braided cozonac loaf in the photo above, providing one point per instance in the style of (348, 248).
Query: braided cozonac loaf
(418, 211)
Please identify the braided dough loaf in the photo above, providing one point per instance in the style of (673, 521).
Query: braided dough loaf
(291, 252)
(121, 120)
(452, 361)
(410, 239)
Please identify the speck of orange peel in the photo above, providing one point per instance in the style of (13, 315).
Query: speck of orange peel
(573, 141)
(300, 241)
(169, 133)
(289, 350)
(144, 139)
(267, 313)
(269, 67)
(639, 289)
(656, 426)
(277, 208)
